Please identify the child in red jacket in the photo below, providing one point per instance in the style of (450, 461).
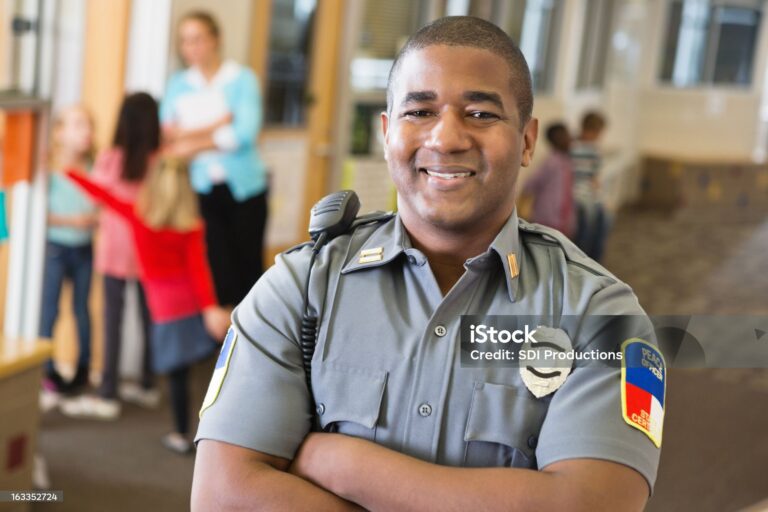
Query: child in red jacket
(170, 246)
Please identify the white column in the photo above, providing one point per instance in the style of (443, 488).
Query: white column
(148, 44)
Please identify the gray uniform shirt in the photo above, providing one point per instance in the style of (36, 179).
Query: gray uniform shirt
(387, 363)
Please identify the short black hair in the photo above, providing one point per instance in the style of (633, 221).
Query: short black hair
(554, 131)
(473, 32)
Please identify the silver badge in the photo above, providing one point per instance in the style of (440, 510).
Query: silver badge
(546, 364)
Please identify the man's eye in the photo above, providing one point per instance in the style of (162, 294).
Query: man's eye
(483, 115)
(417, 113)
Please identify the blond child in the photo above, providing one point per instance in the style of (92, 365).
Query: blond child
(170, 244)
(69, 252)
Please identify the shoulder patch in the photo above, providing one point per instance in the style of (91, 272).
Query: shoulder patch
(643, 387)
(220, 371)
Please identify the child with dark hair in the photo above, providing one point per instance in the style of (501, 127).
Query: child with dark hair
(551, 184)
(121, 170)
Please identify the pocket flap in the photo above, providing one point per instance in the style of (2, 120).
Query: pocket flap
(503, 414)
(346, 393)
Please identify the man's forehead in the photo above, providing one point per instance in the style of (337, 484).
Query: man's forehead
(460, 69)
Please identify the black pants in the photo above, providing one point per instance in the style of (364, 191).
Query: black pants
(234, 233)
(179, 392)
(114, 301)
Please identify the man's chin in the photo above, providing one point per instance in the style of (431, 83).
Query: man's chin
(452, 220)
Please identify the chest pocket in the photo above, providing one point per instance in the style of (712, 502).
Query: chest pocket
(348, 398)
(502, 427)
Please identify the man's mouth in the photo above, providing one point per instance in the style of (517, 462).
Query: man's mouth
(447, 174)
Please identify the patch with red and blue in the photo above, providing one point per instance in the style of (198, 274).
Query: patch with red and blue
(643, 387)
(220, 370)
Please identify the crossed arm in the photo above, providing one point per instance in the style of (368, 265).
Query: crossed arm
(337, 472)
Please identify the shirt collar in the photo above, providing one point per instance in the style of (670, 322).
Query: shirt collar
(391, 240)
(227, 71)
(506, 245)
(382, 247)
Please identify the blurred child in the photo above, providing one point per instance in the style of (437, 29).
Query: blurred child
(121, 170)
(170, 245)
(592, 220)
(68, 254)
(551, 184)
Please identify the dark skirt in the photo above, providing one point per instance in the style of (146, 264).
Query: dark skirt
(180, 343)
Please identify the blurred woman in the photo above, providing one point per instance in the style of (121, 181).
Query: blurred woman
(212, 113)
(121, 170)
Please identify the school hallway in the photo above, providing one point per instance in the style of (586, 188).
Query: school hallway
(706, 464)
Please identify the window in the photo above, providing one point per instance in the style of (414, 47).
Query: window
(711, 42)
(534, 25)
(290, 38)
(595, 43)
(386, 26)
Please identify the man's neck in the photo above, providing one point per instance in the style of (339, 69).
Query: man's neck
(447, 250)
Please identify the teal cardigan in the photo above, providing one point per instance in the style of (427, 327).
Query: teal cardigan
(236, 143)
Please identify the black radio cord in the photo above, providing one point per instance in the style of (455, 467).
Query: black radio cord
(308, 333)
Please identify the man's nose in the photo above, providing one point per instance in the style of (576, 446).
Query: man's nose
(449, 134)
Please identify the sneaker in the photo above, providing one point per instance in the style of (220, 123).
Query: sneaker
(92, 407)
(135, 394)
(49, 400)
(177, 443)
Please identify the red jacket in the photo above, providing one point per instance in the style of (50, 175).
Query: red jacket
(172, 264)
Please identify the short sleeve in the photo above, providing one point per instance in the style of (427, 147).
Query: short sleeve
(585, 415)
(260, 398)
(167, 113)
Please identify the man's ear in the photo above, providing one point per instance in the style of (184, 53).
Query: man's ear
(530, 135)
(385, 132)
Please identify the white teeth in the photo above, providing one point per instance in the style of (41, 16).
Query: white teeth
(448, 175)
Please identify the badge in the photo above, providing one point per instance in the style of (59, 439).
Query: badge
(543, 371)
(643, 387)
(220, 371)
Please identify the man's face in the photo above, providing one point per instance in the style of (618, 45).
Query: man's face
(453, 139)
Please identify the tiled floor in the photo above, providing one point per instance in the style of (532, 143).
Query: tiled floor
(715, 447)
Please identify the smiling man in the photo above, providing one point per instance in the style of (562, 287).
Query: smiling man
(403, 424)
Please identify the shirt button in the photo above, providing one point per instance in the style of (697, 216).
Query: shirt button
(411, 260)
(440, 330)
(532, 442)
(425, 410)
(320, 409)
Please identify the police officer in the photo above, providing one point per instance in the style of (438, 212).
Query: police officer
(404, 425)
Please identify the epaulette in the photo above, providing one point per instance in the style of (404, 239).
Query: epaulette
(549, 236)
(362, 220)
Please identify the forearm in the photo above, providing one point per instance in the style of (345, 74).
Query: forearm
(266, 488)
(253, 484)
(59, 220)
(378, 478)
(399, 482)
